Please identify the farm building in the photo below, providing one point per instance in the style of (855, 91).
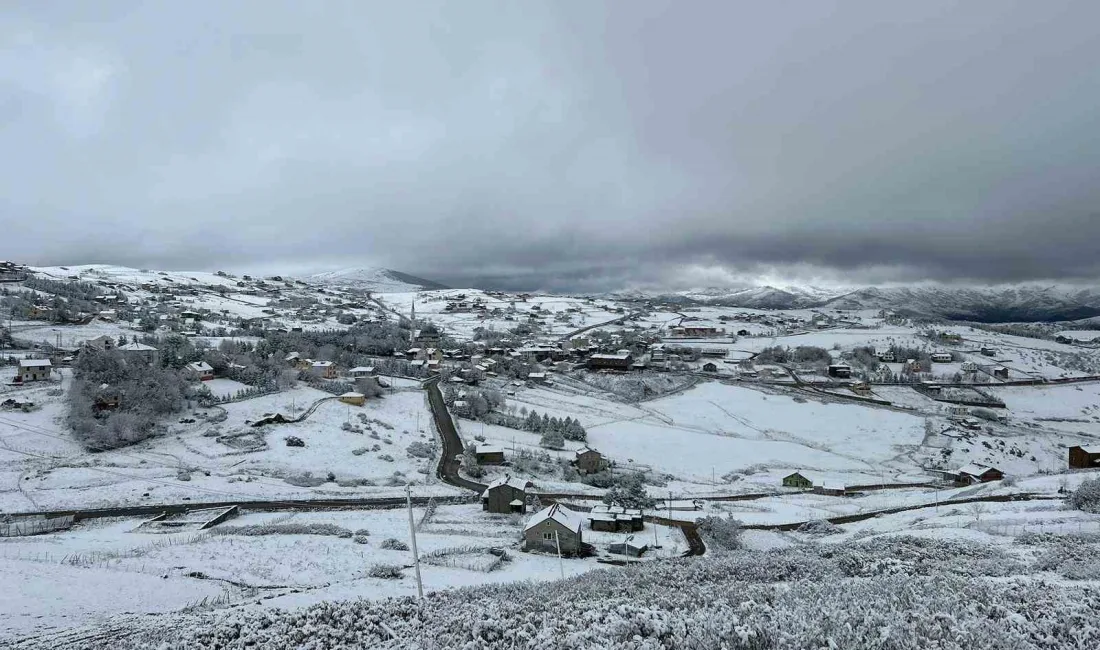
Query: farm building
(797, 480)
(840, 370)
(489, 454)
(942, 357)
(34, 370)
(1084, 457)
(1000, 372)
(505, 495)
(553, 528)
(361, 371)
(710, 367)
(975, 473)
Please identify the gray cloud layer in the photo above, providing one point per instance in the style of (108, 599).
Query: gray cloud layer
(562, 145)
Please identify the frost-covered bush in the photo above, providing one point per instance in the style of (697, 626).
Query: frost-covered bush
(386, 457)
(294, 441)
(386, 571)
(819, 527)
(721, 533)
(1087, 496)
(393, 544)
(419, 449)
(305, 480)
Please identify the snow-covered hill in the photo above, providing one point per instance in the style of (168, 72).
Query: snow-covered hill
(374, 279)
(1024, 302)
(1001, 303)
(753, 297)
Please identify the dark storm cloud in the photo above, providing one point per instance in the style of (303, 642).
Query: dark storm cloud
(573, 146)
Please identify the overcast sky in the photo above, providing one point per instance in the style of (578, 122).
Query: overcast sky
(563, 145)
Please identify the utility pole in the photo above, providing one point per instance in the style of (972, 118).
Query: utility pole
(561, 563)
(670, 518)
(412, 534)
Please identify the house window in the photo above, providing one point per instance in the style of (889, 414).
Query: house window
(548, 536)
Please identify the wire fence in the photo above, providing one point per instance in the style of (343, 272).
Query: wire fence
(35, 526)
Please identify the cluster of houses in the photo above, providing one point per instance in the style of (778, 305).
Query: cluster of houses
(558, 529)
(969, 474)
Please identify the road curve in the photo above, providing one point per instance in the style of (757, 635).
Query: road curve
(452, 444)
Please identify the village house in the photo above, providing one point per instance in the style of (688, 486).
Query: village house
(506, 495)
(489, 454)
(987, 351)
(968, 366)
(199, 371)
(135, 350)
(617, 361)
(324, 369)
(710, 367)
(537, 377)
(553, 529)
(1000, 372)
(353, 398)
(102, 342)
(1081, 457)
(797, 480)
(942, 357)
(589, 461)
(974, 473)
(34, 370)
(361, 371)
(840, 371)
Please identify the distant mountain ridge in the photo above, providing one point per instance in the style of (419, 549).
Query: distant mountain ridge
(991, 304)
(376, 279)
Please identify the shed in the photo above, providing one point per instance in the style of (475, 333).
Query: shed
(797, 480)
(353, 398)
(630, 546)
(974, 473)
(489, 454)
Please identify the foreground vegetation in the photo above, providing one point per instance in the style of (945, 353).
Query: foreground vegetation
(902, 593)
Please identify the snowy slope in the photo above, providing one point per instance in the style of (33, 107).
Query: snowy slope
(374, 279)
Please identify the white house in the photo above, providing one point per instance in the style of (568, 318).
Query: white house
(34, 370)
(200, 370)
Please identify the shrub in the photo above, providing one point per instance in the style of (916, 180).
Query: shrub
(385, 571)
(723, 534)
(294, 441)
(1087, 496)
(419, 449)
(393, 544)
